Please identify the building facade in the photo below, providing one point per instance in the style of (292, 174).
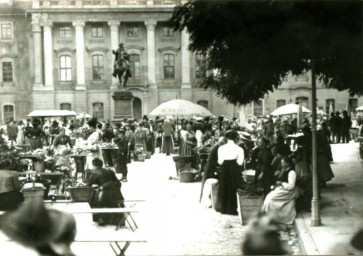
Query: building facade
(296, 89)
(57, 54)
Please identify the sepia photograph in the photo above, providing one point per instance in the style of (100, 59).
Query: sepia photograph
(181, 127)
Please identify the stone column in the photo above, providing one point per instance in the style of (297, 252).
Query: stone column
(81, 81)
(151, 65)
(37, 37)
(114, 28)
(185, 59)
(48, 54)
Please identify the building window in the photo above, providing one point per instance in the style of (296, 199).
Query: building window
(280, 103)
(329, 106)
(169, 66)
(132, 31)
(257, 108)
(65, 106)
(65, 32)
(7, 72)
(6, 30)
(168, 31)
(203, 103)
(8, 113)
(97, 32)
(98, 67)
(97, 109)
(304, 101)
(352, 105)
(200, 66)
(135, 65)
(65, 68)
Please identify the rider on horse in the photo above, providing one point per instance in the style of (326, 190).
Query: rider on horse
(122, 60)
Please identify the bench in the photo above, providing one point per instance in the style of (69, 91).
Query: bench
(119, 241)
(128, 218)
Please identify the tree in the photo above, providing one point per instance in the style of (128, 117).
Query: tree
(254, 44)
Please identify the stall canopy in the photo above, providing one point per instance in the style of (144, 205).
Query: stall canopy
(83, 115)
(52, 113)
(289, 109)
(359, 108)
(180, 108)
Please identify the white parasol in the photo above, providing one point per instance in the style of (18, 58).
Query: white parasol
(180, 108)
(51, 113)
(289, 109)
(359, 108)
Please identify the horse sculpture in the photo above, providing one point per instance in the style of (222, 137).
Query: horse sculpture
(123, 73)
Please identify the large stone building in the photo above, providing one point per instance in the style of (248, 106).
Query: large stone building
(57, 54)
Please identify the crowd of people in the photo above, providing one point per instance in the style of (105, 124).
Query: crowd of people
(281, 160)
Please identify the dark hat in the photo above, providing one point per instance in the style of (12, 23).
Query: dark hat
(337, 113)
(35, 122)
(231, 135)
(93, 123)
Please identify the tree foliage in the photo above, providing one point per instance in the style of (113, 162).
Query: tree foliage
(255, 44)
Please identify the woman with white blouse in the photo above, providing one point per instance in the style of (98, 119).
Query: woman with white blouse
(281, 200)
(230, 158)
(93, 144)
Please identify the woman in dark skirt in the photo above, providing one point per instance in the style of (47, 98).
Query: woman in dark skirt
(108, 196)
(230, 158)
(10, 195)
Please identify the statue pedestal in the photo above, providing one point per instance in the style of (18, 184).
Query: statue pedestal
(123, 105)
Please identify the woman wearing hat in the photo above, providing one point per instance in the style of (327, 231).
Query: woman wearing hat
(230, 158)
(36, 134)
(93, 144)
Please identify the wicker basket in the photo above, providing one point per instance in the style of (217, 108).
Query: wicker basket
(186, 177)
(248, 205)
(81, 194)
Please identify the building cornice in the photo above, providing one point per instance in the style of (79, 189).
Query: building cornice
(65, 49)
(8, 55)
(169, 48)
(96, 49)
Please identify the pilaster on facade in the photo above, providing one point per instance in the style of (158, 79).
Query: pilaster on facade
(151, 59)
(48, 53)
(37, 38)
(185, 60)
(80, 48)
(115, 35)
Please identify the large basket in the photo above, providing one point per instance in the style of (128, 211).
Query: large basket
(81, 194)
(186, 177)
(248, 205)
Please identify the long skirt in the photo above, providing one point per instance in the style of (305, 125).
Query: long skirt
(35, 143)
(281, 203)
(110, 198)
(230, 180)
(167, 145)
(325, 172)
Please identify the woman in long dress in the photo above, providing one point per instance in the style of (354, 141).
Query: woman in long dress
(230, 157)
(93, 144)
(190, 142)
(109, 194)
(20, 138)
(281, 201)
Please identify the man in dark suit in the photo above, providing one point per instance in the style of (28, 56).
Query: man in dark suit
(122, 154)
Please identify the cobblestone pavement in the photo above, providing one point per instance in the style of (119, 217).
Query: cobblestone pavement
(172, 218)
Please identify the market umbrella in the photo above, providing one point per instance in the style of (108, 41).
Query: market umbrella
(180, 108)
(51, 113)
(289, 109)
(359, 108)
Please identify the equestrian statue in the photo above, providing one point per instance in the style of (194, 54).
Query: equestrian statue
(121, 67)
